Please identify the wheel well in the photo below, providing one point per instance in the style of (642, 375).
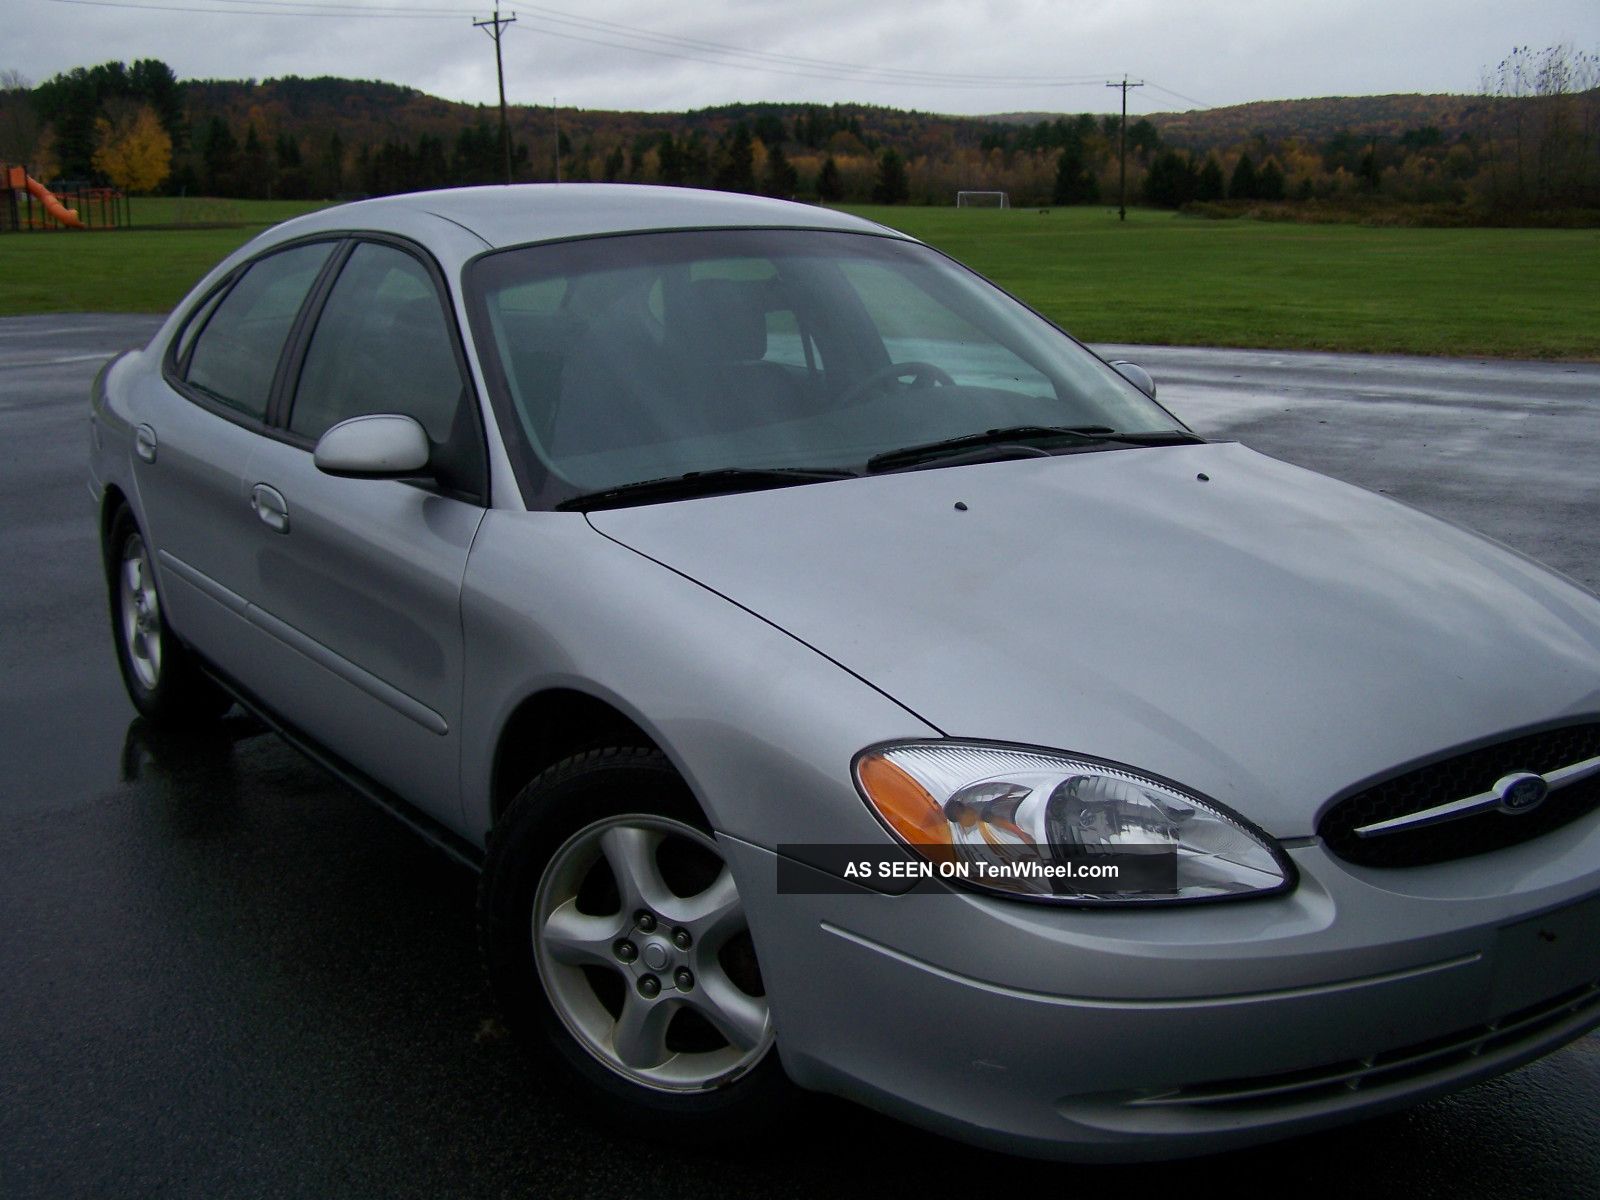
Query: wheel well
(549, 727)
(111, 504)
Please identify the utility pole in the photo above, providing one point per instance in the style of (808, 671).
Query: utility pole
(1122, 149)
(495, 28)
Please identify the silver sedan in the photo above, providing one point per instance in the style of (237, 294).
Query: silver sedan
(842, 678)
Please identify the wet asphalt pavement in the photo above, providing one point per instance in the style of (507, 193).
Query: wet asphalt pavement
(223, 974)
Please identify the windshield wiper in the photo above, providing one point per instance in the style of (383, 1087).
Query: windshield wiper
(1025, 435)
(701, 483)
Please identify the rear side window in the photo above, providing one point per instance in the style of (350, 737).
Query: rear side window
(236, 355)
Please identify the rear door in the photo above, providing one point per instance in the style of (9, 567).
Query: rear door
(197, 428)
(359, 579)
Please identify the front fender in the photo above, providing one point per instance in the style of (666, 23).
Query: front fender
(762, 727)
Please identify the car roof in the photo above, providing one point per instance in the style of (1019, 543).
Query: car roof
(517, 214)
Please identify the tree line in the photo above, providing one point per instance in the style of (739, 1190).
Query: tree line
(1528, 142)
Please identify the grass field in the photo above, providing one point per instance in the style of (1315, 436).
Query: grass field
(132, 270)
(1159, 278)
(1167, 279)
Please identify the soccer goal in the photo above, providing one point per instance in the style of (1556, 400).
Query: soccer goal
(983, 200)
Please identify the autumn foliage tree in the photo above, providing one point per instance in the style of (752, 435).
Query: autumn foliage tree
(132, 150)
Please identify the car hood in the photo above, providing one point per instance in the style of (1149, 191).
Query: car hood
(1260, 633)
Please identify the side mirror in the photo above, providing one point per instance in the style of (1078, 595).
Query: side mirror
(1136, 375)
(381, 446)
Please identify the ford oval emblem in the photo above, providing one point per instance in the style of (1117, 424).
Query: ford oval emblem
(1521, 792)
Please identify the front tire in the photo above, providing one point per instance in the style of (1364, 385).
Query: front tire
(163, 679)
(617, 948)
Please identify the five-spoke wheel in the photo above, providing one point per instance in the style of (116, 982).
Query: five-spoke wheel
(644, 983)
(619, 949)
(140, 607)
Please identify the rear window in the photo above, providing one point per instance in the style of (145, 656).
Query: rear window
(235, 356)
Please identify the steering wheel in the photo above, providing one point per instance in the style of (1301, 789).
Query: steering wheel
(923, 375)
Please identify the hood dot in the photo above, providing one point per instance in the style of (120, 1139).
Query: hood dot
(1203, 477)
(961, 506)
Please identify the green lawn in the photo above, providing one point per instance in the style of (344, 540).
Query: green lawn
(172, 210)
(129, 270)
(1166, 279)
(1159, 278)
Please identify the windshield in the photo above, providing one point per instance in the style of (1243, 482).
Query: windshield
(622, 359)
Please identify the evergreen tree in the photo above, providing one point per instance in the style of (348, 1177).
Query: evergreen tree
(670, 165)
(1269, 184)
(477, 155)
(892, 187)
(696, 160)
(769, 128)
(830, 188)
(255, 167)
(781, 177)
(432, 166)
(1074, 183)
(1171, 181)
(290, 168)
(1209, 185)
(1142, 135)
(219, 158)
(1243, 185)
(333, 166)
(1370, 174)
(736, 170)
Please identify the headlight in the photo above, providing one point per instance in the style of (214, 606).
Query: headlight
(1049, 826)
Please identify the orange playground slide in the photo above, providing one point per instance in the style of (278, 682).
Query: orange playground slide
(18, 178)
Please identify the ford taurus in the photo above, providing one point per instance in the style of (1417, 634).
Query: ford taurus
(844, 680)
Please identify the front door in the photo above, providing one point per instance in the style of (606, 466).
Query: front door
(360, 580)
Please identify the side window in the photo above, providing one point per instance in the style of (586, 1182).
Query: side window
(380, 346)
(236, 354)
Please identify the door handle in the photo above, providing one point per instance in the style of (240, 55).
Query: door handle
(271, 507)
(144, 443)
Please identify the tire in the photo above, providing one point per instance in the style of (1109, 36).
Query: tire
(602, 886)
(163, 678)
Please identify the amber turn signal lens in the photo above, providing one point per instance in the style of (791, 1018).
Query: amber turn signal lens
(904, 804)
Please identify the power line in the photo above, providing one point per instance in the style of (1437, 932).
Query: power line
(840, 74)
(594, 24)
(351, 7)
(1180, 96)
(253, 12)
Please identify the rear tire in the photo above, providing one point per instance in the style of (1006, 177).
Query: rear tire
(617, 949)
(163, 677)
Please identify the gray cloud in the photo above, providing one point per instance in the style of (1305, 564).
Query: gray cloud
(1217, 51)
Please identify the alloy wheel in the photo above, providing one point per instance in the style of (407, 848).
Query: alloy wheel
(140, 608)
(644, 952)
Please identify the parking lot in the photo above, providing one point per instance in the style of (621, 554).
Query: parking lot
(221, 973)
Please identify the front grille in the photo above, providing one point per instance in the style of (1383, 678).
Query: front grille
(1455, 779)
(1413, 1062)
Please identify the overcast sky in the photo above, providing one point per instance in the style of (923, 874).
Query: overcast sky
(958, 56)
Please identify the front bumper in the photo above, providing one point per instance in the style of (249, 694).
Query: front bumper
(1109, 1035)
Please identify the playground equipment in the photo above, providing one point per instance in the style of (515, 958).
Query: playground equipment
(28, 204)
